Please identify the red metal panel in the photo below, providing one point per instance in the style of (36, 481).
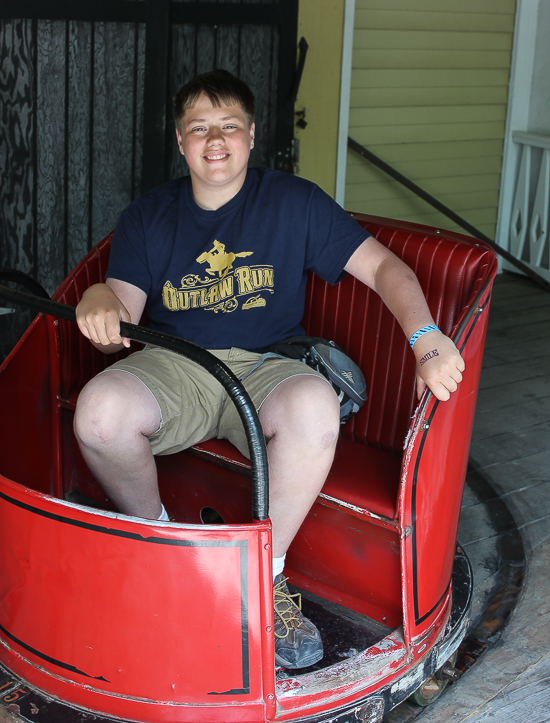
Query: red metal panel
(25, 419)
(146, 611)
(365, 477)
(432, 486)
(348, 561)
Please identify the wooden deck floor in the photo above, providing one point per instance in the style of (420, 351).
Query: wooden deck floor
(511, 449)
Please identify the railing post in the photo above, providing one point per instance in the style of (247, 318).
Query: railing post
(538, 236)
(520, 208)
(530, 208)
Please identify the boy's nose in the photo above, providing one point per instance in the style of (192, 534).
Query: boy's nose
(215, 135)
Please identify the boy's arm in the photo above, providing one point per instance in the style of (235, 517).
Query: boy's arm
(101, 309)
(438, 362)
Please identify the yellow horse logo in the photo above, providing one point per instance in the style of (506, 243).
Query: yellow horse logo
(220, 261)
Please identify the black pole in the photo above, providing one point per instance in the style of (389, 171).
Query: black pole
(476, 233)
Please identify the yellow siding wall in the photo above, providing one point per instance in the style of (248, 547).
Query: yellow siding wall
(321, 22)
(429, 93)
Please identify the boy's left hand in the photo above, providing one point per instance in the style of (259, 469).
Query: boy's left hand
(438, 365)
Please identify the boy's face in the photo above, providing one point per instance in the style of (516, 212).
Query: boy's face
(216, 143)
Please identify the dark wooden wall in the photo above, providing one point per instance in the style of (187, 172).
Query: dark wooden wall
(71, 95)
(73, 114)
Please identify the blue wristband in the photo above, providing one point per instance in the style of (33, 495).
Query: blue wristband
(425, 329)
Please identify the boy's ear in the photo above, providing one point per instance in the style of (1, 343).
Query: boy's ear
(180, 141)
(252, 135)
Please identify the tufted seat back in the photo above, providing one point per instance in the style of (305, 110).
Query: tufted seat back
(451, 269)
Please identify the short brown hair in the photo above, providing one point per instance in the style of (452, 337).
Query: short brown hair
(221, 87)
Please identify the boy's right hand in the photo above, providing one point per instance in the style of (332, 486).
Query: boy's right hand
(98, 316)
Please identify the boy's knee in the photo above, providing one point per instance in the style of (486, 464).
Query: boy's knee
(307, 407)
(114, 406)
(316, 399)
(97, 414)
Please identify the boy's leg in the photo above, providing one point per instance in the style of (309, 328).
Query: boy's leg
(300, 417)
(153, 402)
(301, 420)
(114, 416)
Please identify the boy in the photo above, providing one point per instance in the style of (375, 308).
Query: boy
(220, 258)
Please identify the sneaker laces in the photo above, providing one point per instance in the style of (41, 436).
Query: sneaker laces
(288, 610)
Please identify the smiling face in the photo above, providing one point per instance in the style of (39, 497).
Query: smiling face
(216, 143)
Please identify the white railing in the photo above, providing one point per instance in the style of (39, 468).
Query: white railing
(528, 231)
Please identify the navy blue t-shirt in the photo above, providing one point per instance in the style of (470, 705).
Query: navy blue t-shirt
(235, 276)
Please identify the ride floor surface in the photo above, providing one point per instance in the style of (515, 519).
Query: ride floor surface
(505, 524)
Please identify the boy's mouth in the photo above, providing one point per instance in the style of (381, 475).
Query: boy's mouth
(216, 156)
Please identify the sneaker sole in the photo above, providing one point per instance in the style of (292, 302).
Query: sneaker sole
(305, 663)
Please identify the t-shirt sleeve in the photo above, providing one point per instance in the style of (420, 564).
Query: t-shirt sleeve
(128, 259)
(332, 237)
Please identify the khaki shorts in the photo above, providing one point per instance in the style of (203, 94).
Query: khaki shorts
(193, 405)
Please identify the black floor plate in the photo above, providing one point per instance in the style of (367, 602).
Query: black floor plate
(344, 633)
